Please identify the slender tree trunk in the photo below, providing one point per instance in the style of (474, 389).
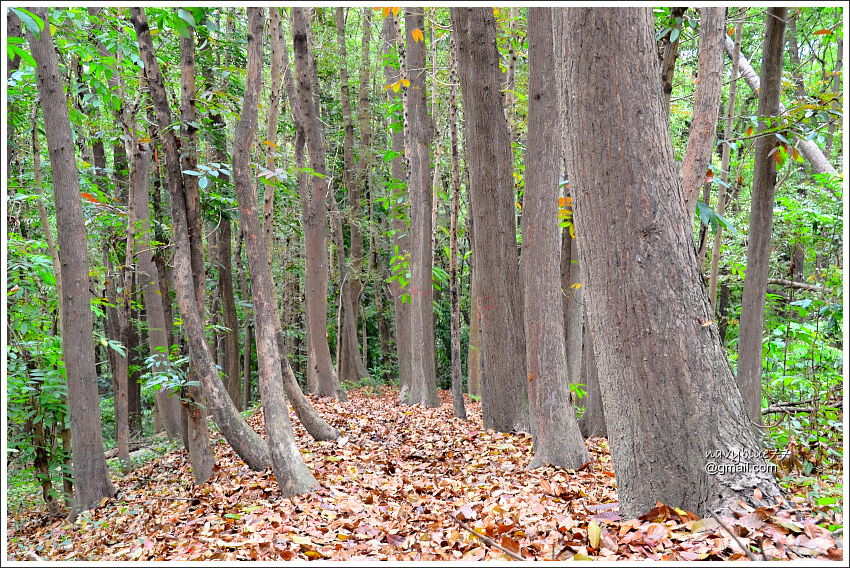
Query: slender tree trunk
(287, 464)
(91, 476)
(808, 148)
(668, 52)
(423, 388)
(557, 440)
(247, 350)
(457, 378)
(401, 239)
(314, 213)
(761, 220)
(504, 394)
(725, 160)
(275, 102)
(663, 433)
(473, 359)
(706, 105)
(592, 422)
(572, 300)
(247, 443)
(200, 452)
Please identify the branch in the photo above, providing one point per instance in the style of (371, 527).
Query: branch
(746, 550)
(792, 284)
(487, 540)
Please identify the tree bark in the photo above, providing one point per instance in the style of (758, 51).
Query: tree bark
(572, 300)
(706, 105)
(761, 220)
(401, 238)
(808, 148)
(725, 160)
(592, 421)
(670, 399)
(423, 388)
(557, 440)
(247, 443)
(314, 214)
(288, 466)
(91, 476)
(457, 378)
(668, 53)
(504, 394)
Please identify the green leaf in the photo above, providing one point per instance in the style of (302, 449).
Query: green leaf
(32, 22)
(187, 17)
(674, 35)
(24, 55)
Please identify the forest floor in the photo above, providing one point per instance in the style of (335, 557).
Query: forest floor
(392, 488)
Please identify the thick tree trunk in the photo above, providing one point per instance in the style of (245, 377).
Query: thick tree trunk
(725, 160)
(287, 464)
(557, 440)
(247, 443)
(504, 394)
(91, 476)
(401, 239)
(706, 105)
(670, 399)
(314, 213)
(457, 378)
(808, 148)
(761, 220)
(423, 388)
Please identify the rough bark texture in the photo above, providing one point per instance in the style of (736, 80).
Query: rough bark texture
(473, 357)
(247, 443)
(457, 378)
(423, 388)
(761, 220)
(401, 239)
(670, 399)
(572, 300)
(288, 466)
(706, 105)
(230, 349)
(557, 440)
(314, 214)
(91, 476)
(504, 395)
(725, 160)
(808, 148)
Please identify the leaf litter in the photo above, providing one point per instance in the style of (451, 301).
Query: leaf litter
(405, 483)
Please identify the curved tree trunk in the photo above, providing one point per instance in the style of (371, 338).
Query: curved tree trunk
(247, 443)
(91, 477)
(761, 221)
(289, 468)
(423, 388)
(557, 440)
(671, 402)
(504, 395)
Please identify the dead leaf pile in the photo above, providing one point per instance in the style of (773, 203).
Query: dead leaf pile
(392, 488)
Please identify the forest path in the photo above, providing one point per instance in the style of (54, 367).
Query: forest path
(389, 488)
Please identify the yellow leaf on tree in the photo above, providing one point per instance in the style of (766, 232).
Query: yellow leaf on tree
(387, 12)
(405, 82)
(269, 143)
(576, 286)
(396, 11)
(417, 35)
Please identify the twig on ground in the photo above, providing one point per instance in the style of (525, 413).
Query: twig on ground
(487, 540)
(746, 550)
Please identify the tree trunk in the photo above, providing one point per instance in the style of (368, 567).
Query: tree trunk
(557, 440)
(706, 105)
(247, 350)
(808, 148)
(423, 388)
(572, 300)
(401, 239)
(91, 476)
(457, 378)
(592, 421)
(668, 53)
(761, 220)
(287, 464)
(725, 160)
(247, 443)
(473, 357)
(350, 366)
(504, 394)
(670, 398)
(314, 214)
